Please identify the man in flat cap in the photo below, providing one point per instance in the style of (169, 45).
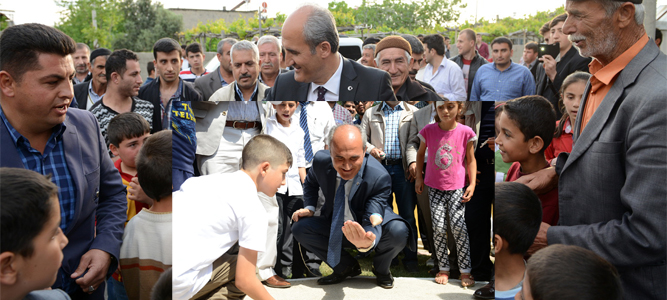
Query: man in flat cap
(89, 92)
(612, 185)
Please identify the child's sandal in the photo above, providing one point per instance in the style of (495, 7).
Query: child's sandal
(442, 277)
(467, 280)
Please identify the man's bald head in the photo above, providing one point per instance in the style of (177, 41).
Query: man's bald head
(346, 134)
(347, 149)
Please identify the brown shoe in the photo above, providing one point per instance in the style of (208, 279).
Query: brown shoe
(276, 281)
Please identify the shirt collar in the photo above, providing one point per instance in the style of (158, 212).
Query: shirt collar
(58, 130)
(222, 80)
(333, 85)
(90, 89)
(398, 107)
(238, 92)
(606, 74)
(508, 68)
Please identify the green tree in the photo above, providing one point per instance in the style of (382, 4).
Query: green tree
(4, 22)
(144, 23)
(77, 21)
(503, 27)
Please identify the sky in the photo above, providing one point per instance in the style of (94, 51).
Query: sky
(48, 12)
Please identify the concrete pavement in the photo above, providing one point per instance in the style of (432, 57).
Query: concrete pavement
(365, 288)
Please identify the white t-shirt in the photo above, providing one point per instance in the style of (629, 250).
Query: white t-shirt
(292, 136)
(211, 213)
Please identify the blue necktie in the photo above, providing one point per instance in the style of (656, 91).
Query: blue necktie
(303, 122)
(337, 220)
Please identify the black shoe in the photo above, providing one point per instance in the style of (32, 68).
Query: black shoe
(486, 292)
(334, 278)
(384, 281)
(411, 267)
(313, 273)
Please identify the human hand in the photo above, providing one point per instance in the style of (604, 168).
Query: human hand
(412, 168)
(468, 193)
(541, 181)
(549, 64)
(375, 152)
(302, 213)
(357, 236)
(491, 143)
(136, 193)
(97, 263)
(540, 239)
(419, 185)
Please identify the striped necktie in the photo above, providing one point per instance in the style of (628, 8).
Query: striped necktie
(336, 233)
(303, 122)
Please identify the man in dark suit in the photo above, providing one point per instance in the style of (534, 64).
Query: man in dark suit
(356, 189)
(611, 188)
(211, 82)
(320, 72)
(40, 132)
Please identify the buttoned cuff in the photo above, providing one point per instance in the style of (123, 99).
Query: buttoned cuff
(310, 207)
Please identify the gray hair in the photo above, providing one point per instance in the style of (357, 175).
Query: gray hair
(408, 57)
(415, 43)
(92, 62)
(610, 8)
(269, 39)
(320, 27)
(222, 43)
(246, 46)
(337, 126)
(370, 46)
(82, 46)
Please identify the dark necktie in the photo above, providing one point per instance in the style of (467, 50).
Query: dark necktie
(303, 122)
(320, 93)
(337, 220)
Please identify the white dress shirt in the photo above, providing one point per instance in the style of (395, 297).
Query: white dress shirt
(292, 136)
(320, 122)
(332, 86)
(447, 81)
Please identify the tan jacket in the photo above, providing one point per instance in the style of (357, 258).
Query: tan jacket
(211, 117)
(373, 124)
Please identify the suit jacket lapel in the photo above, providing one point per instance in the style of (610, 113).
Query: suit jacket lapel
(74, 157)
(357, 179)
(583, 140)
(348, 83)
(9, 155)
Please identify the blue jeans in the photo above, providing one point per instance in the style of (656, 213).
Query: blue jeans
(406, 200)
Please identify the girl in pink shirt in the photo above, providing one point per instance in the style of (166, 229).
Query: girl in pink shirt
(450, 150)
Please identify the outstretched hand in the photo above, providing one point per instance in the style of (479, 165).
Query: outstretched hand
(357, 236)
(302, 213)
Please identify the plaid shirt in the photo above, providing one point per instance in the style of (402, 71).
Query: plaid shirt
(166, 111)
(342, 115)
(51, 162)
(392, 146)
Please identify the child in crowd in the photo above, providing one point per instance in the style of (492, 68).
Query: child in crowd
(550, 276)
(570, 97)
(31, 239)
(127, 133)
(146, 249)
(214, 213)
(450, 148)
(517, 217)
(290, 196)
(524, 129)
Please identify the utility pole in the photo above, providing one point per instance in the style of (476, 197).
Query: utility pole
(95, 26)
(262, 10)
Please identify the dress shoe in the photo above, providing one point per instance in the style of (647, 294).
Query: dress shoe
(385, 281)
(350, 271)
(486, 292)
(276, 281)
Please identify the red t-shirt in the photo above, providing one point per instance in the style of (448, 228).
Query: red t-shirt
(563, 143)
(549, 200)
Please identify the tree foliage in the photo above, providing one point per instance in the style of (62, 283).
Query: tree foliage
(505, 26)
(144, 23)
(77, 21)
(241, 27)
(134, 25)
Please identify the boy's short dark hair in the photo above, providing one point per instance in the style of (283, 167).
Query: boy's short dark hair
(154, 165)
(150, 67)
(534, 115)
(162, 288)
(532, 46)
(263, 148)
(21, 45)
(517, 215)
(557, 19)
(193, 48)
(166, 45)
(435, 41)
(502, 40)
(545, 28)
(549, 273)
(126, 126)
(25, 208)
(117, 62)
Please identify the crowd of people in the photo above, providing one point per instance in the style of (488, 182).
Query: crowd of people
(289, 155)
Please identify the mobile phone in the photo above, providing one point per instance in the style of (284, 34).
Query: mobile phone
(548, 49)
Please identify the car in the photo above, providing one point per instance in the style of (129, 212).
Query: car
(349, 47)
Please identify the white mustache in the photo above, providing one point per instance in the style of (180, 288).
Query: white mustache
(267, 64)
(576, 38)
